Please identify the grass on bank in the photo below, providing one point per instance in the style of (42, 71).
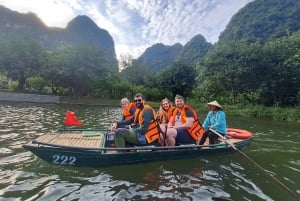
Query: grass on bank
(250, 111)
(97, 101)
(290, 114)
(261, 112)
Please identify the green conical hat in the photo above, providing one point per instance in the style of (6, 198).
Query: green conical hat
(215, 103)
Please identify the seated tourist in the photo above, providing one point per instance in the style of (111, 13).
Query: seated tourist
(183, 127)
(145, 130)
(216, 120)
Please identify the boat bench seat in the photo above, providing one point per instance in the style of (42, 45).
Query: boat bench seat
(186, 145)
(144, 146)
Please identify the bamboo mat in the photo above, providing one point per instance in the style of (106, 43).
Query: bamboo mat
(76, 139)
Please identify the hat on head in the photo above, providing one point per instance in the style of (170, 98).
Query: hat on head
(215, 103)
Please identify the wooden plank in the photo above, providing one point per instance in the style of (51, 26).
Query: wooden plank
(73, 139)
(47, 138)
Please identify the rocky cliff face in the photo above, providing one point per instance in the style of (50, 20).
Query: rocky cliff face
(81, 30)
(195, 50)
(159, 56)
(263, 20)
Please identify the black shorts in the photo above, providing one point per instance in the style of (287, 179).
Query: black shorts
(183, 137)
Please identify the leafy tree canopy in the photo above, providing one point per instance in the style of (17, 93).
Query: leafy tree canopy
(20, 59)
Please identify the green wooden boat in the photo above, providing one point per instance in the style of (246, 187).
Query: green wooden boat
(91, 148)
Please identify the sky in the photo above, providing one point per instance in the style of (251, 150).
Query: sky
(138, 24)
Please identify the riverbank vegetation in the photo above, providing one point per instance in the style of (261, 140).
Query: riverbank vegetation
(260, 80)
(290, 114)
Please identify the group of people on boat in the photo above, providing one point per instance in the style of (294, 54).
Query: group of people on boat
(169, 126)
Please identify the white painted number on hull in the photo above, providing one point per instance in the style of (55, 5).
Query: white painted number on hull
(64, 160)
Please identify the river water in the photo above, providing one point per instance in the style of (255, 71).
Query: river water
(23, 176)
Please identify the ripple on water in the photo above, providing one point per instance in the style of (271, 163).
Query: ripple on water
(293, 168)
(9, 136)
(16, 159)
(93, 192)
(8, 177)
(5, 130)
(17, 145)
(5, 151)
(43, 181)
(100, 178)
(28, 182)
(241, 182)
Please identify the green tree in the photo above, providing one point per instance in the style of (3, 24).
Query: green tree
(136, 74)
(222, 70)
(253, 73)
(36, 84)
(76, 67)
(179, 78)
(20, 59)
(281, 82)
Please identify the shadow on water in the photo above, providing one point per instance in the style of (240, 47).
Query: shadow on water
(25, 177)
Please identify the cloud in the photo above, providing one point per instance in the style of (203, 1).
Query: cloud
(53, 13)
(138, 24)
(144, 23)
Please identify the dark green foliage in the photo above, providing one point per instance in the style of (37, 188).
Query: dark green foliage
(19, 25)
(36, 84)
(179, 78)
(262, 20)
(255, 62)
(194, 51)
(238, 72)
(138, 78)
(20, 59)
(76, 67)
(81, 30)
(159, 56)
(281, 85)
(137, 73)
(114, 85)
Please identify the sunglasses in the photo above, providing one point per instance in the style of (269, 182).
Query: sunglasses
(138, 100)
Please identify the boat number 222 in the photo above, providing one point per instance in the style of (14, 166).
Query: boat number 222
(64, 160)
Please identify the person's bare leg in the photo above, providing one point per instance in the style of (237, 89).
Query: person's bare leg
(170, 137)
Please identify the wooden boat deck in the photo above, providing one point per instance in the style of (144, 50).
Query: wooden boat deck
(91, 140)
(74, 139)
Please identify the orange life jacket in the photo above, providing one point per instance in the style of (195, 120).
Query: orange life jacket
(164, 116)
(126, 112)
(196, 130)
(152, 132)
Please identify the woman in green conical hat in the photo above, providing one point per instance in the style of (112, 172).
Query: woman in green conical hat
(214, 103)
(215, 119)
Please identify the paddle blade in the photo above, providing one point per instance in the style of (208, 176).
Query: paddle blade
(71, 119)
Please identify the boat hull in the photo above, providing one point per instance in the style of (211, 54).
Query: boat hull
(100, 157)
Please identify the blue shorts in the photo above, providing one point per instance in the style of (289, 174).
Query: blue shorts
(183, 137)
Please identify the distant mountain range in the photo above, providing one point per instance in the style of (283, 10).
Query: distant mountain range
(260, 20)
(160, 56)
(81, 30)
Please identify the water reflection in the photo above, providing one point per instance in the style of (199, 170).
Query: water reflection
(25, 177)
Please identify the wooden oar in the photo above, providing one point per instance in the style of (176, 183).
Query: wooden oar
(255, 163)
